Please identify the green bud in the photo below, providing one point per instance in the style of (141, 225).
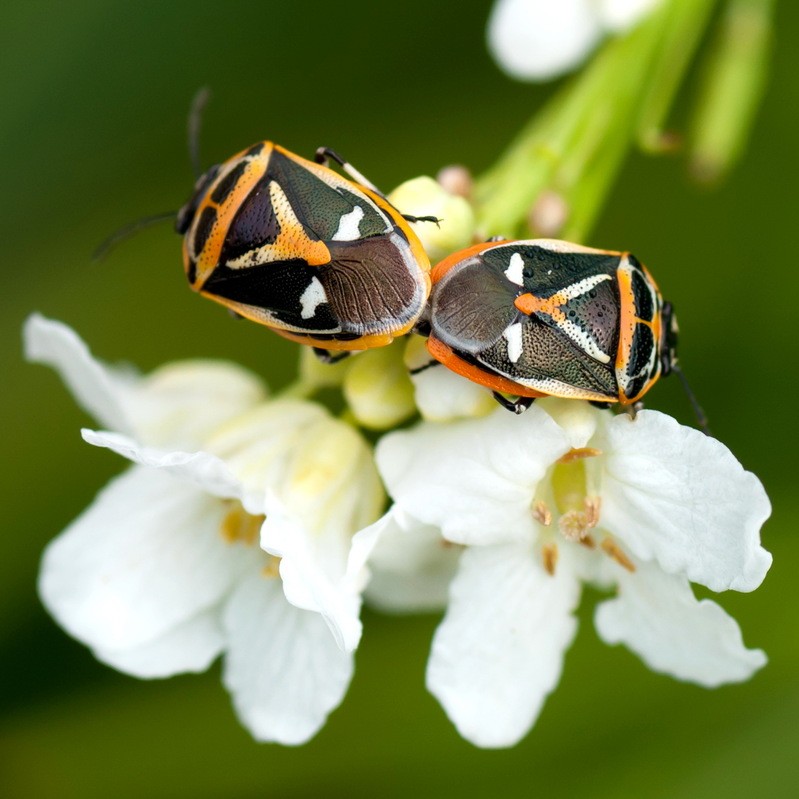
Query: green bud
(377, 388)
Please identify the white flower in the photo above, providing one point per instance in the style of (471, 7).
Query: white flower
(541, 39)
(561, 495)
(162, 573)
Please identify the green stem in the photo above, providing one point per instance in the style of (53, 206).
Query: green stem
(576, 145)
(734, 82)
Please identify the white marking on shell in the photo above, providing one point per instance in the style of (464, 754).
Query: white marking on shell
(349, 225)
(312, 298)
(583, 339)
(513, 334)
(515, 272)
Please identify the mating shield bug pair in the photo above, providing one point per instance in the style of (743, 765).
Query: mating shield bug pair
(329, 262)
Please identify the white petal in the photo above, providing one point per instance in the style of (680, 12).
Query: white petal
(203, 470)
(100, 390)
(540, 39)
(143, 559)
(191, 646)
(499, 651)
(657, 616)
(328, 491)
(411, 566)
(673, 494)
(621, 15)
(578, 419)
(180, 404)
(442, 395)
(313, 571)
(283, 667)
(258, 446)
(474, 479)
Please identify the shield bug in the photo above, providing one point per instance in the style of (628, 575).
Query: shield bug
(292, 244)
(548, 318)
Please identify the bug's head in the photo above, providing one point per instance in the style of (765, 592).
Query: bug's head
(669, 336)
(186, 214)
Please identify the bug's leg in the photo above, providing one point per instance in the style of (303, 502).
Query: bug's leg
(324, 155)
(496, 238)
(632, 410)
(411, 218)
(425, 366)
(519, 406)
(326, 356)
(603, 406)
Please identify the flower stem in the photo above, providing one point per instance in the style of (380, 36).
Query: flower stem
(734, 81)
(575, 146)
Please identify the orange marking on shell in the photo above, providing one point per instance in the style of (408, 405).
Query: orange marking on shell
(292, 241)
(530, 304)
(442, 267)
(209, 257)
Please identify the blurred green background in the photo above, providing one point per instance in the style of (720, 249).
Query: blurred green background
(94, 102)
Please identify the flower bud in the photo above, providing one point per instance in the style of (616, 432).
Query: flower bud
(422, 196)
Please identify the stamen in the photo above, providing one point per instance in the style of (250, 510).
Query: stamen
(611, 548)
(541, 513)
(588, 541)
(238, 526)
(592, 508)
(579, 453)
(549, 556)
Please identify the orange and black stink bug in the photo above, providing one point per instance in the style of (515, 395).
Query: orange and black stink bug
(291, 244)
(548, 318)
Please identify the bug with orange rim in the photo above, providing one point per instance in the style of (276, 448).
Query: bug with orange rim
(291, 244)
(543, 317)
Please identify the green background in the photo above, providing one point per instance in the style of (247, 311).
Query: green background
(94, 101)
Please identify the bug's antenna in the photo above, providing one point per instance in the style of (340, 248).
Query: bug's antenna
(128, 230)
(198, 104)
(701, 418)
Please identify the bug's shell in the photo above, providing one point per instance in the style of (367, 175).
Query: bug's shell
(295, 246)
(548, 318)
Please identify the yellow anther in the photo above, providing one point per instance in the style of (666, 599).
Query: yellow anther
(549, 556)
(592, 508)
(611, 548)
(579, 453)
(238, 526)
(541, 513)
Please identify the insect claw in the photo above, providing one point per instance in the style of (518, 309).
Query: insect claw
(520, 405)
(325, 356)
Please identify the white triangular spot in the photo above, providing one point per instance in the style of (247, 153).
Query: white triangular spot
(513, 333)
(515, 272)
(311, 298)
(348, 225)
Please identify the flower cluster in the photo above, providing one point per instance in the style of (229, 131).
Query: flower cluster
(245, 527)
(236, 531)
